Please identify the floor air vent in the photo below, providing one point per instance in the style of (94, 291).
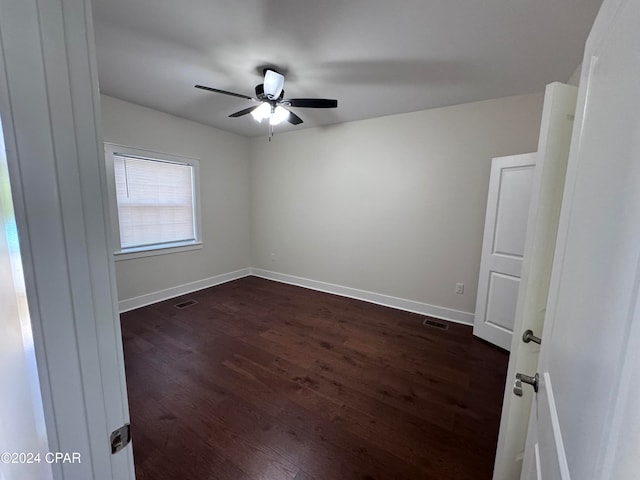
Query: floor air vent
(435, 324)
(185, 304)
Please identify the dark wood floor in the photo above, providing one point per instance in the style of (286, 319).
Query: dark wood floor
(261, 380)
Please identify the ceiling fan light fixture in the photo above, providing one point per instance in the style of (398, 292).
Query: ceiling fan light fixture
(273, 83)
(269, 102)
(279, 115)
(262, 112)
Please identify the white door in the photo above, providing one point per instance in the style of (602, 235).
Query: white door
(503, 247)
(49, 109)
(542, 229)
(586, 424)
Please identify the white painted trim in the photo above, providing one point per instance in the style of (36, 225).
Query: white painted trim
(49, 105)
(555, 428)
(161, 295)
(156, 250)
(443, 313)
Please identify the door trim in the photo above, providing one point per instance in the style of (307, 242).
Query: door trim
(49, 107)
(547, 388)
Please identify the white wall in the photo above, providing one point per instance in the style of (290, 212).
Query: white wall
(392, 205)
(224, 170)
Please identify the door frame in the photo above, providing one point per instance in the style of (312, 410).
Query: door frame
(553, 153)
(49, 102)
(617, 423)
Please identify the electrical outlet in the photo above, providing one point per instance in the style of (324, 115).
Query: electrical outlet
(460, 288)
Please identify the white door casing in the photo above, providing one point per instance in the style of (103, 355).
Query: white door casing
(50, 112)
(531, 469)
(22, 428)
(544, 213)
(503, 244)
(587, 419)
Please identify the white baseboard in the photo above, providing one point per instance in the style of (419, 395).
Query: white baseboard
(161, 295)
(442, 313)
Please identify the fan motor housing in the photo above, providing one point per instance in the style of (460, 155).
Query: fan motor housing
(260, 95)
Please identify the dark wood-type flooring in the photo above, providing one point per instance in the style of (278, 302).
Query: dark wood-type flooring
(262, 380)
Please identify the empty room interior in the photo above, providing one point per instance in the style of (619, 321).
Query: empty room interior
(323, 225)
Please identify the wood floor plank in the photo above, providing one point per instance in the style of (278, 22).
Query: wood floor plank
(262, 380)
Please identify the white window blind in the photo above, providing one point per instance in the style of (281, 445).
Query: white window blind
(155, 201)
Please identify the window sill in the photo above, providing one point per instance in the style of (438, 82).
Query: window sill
(140, 252)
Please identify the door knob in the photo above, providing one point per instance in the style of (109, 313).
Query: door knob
(528, 336)
(533, 381)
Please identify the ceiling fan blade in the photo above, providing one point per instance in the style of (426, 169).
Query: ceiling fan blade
(224, 92)
(294, 119)
(311, 102)
(244, 112)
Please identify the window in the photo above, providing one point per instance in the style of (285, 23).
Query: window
(153, 200)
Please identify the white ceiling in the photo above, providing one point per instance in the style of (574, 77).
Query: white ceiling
(377, 57)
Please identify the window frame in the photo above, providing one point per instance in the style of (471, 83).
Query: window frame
(112, 149)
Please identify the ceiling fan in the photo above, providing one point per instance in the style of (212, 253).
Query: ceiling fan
(270, 101)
